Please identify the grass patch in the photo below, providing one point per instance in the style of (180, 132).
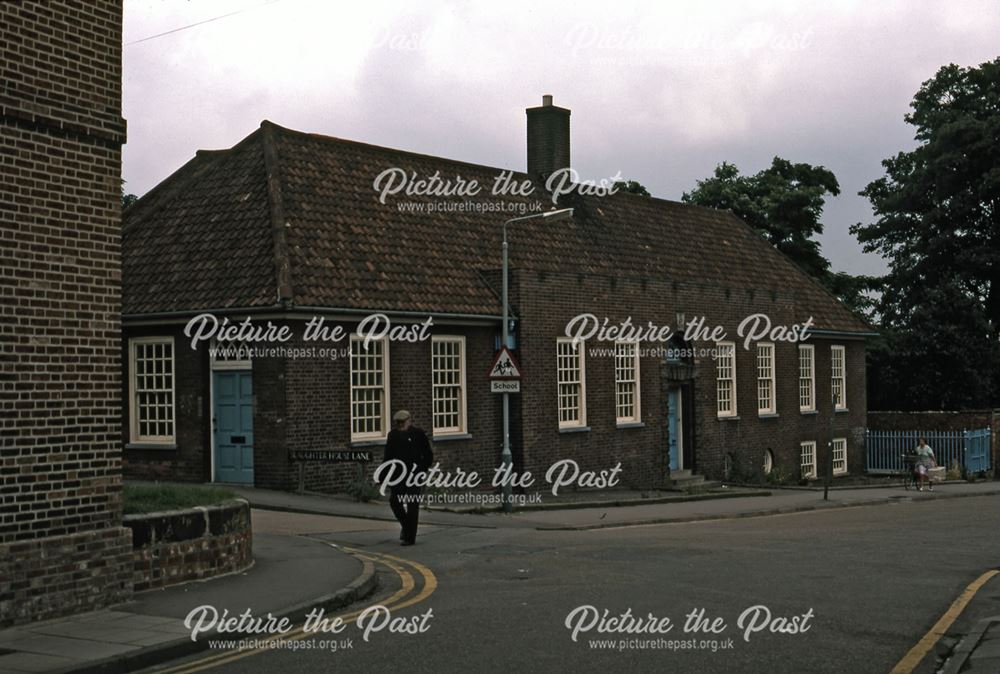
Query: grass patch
(151, 498)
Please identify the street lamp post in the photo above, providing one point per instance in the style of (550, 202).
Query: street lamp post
(505, 456)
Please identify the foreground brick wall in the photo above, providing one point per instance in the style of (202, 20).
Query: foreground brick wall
(61, 131)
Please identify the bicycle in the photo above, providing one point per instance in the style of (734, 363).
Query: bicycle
(909, 471)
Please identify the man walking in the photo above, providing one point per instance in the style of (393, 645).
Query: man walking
(408, 444)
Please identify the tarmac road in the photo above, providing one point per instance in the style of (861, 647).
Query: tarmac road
(863, 586)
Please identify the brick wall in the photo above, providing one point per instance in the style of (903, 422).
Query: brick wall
(180, 546)
(317, 413)
(189, 458)
(547, 301)
(303, 404)
(61, 137)
(55, 575)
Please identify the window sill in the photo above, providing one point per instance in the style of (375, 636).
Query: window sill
(808, 412)
(767, 415)
(151, 445)
(729, 418)
(574, 429)
(451, 436)
(372, 442)
(630, 424)
(842, 410)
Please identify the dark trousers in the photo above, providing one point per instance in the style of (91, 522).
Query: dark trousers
(407, 512)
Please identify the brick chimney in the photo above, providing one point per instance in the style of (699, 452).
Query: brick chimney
(548, 138)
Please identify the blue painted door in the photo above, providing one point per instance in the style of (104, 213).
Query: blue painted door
(673, 426)
(233, 426)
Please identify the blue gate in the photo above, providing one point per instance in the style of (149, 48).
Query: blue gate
(977, 450)
(970, 449)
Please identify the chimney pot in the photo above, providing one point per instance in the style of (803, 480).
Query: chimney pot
(547, 100)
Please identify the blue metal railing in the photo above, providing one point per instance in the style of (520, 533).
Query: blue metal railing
(971, 449)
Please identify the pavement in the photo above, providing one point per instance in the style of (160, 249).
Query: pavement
(296, 569)
(617, 513)
(973, 643)
(291, 575)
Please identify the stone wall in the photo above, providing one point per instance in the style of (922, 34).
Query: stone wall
(182, 545)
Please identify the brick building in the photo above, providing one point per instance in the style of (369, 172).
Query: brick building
(62, 546)
(287, 226)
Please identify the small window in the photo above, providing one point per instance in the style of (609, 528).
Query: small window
(765, 379)
(369, 388)
(627, 382)
(808, 459)
(838, 378)
(726, 379)
(230, 356)
(151, 390)
(448, 384)
(768, 461)
(839, 456)
(807, 379)
(571, 383)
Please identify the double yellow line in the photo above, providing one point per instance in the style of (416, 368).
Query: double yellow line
(916, 654)
(399, 600)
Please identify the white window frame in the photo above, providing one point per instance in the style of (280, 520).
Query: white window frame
(629, 385)
(462, 426)
(384, 417)
(765, 379)
(725, 350)
(243, 361)
(581, 382)
(807, 379)
(840, 402)
(134, 421)
(807, 448)
(839, 455)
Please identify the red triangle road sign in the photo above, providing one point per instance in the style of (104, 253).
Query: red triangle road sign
(504, 366)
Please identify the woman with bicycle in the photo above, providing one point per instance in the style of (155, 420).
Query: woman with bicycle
(925, 461)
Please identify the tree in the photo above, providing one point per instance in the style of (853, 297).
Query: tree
(938, 224)
(632, 186)
(127, 199)
(857, 292)
(784, 202)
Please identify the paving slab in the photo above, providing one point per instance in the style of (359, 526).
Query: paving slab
(290, 574)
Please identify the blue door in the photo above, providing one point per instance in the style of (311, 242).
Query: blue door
(233, 426)
(673, 426)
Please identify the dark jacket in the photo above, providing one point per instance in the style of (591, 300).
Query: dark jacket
(412, 448)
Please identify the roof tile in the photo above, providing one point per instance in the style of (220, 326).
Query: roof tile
(204, 239)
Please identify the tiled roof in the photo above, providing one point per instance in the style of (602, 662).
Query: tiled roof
(292, 216)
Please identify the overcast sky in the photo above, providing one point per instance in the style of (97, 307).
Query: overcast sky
(660, 91)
